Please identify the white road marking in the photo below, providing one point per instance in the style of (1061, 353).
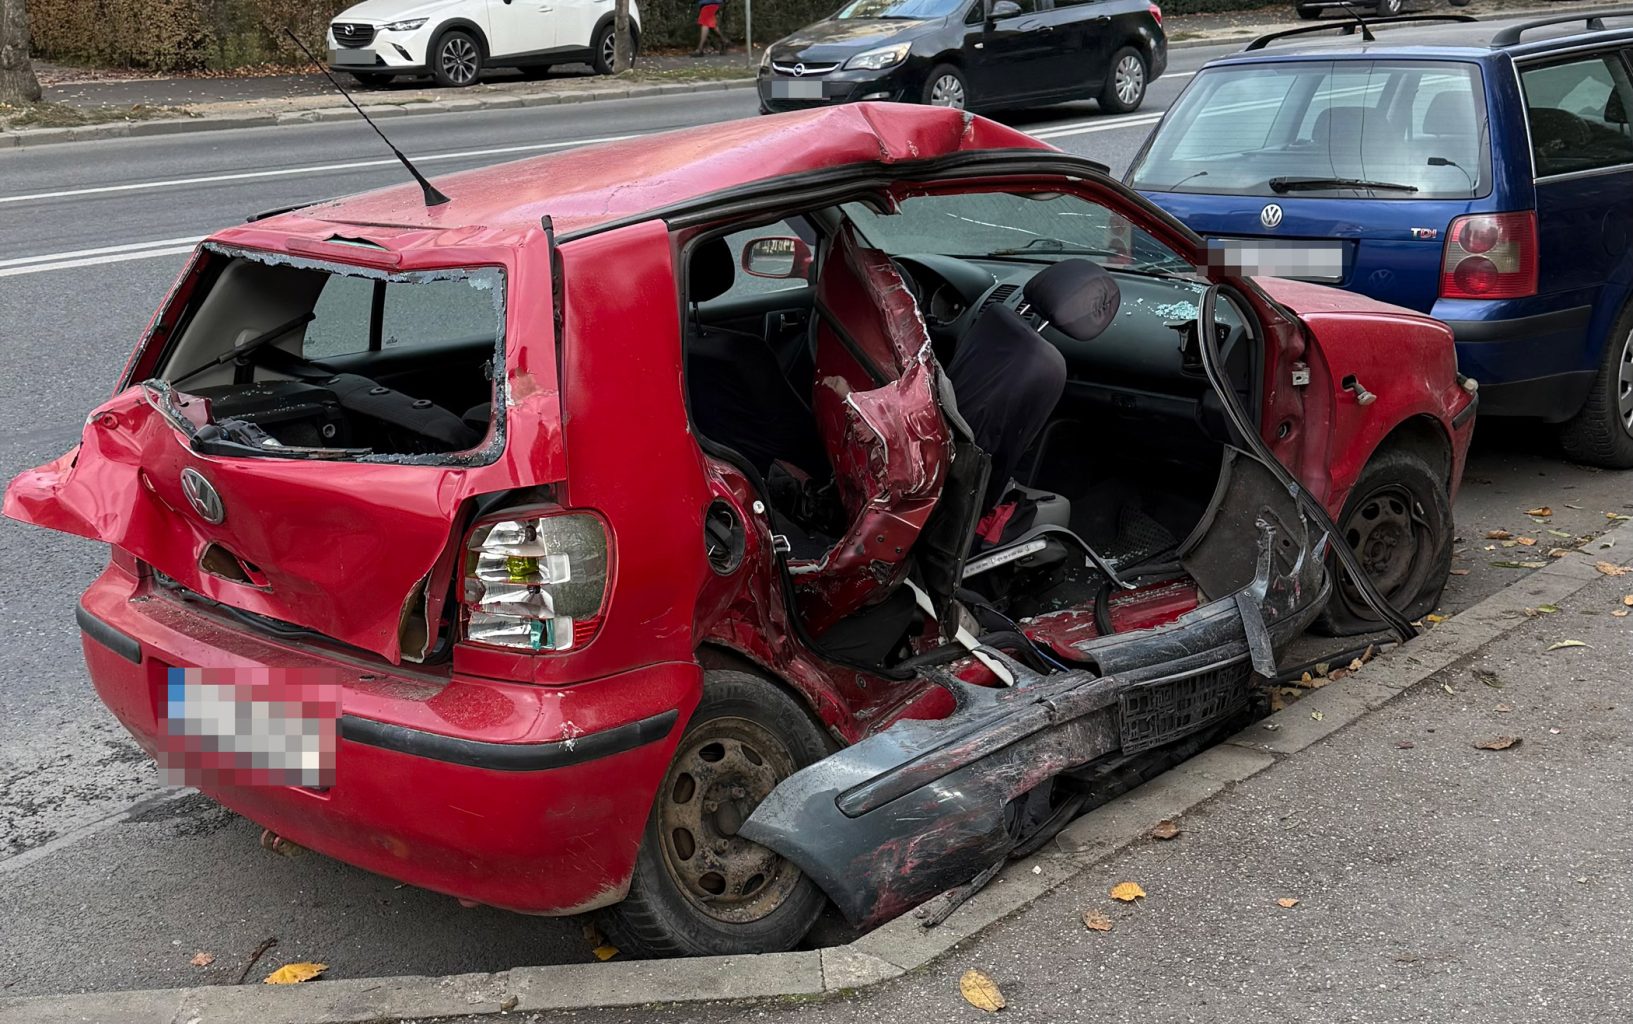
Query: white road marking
(285, 172)
(104, 250)
(93, 261)
(1110, 124)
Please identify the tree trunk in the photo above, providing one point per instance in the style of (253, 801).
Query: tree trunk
(622, 57)
(17, 82)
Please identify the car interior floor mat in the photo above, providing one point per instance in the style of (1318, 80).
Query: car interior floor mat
(1140, 538)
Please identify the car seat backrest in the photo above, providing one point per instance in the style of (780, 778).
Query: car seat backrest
(1557, 132)
(1449, 113)
(1615, 108)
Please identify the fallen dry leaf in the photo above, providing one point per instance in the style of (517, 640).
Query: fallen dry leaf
(1560, 533)
(1287, 903)
(291, 974)
(1460, 572)
(1558, 552)
(202, 959)
(605, 951)
(1127, 892)
(980, 991)
(1487, 676)
(1542, 510)
(1620, 613)
(1617, 517)
(1498, 535)
(1504, 709)
(1437, 619)
(1548, 609)
(1095, 921)
(1318, 716)
(1627, 599)
(1497, 743)
(1527, 541)
(509, 1003)
(1165, 829)
(1404, 744)
(1612, 569)
(1558, 644)
(1448, 688)
(1519, 565)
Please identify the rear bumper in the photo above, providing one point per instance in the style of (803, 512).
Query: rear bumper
(493, 792)
(1528, 366)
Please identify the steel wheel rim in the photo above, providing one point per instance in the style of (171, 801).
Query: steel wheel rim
(609, 49)
(459, 60)
(1390, 533)
(717, 778)
(1624, 384)
(1390, 8)
(947, 91)
(1130, 80)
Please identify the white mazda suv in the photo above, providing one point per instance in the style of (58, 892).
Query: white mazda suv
(453, 40)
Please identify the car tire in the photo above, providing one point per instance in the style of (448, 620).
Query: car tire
(603, 50)
(1601, 434)
(456, 59)
(1398, 520)
(1309, 12)
(1124, 90)
(1388, 8)
(746, 736)
(945, 86)
(371, 79)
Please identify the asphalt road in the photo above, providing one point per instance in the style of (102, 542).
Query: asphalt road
(91, 235)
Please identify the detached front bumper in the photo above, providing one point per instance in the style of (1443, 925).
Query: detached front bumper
(524, 797)
(924, 806)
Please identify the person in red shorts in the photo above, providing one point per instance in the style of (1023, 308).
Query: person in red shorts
(708, 19)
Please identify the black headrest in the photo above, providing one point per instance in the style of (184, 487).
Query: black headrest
(1615, 108)
(1077, 297)
(1450, 113)
(711, 272)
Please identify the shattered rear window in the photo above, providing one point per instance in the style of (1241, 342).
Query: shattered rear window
(308, 359)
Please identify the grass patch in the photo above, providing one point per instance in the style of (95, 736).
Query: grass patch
(63, 115)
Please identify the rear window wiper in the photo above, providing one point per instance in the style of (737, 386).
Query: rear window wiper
(1282, 185)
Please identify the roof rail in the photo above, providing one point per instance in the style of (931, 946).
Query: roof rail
(1594, 19)
(1348, 26)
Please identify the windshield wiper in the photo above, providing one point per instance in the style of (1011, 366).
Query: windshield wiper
(1283, 185)
(1053, 247)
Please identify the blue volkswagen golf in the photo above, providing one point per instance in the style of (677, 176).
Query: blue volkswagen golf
(1487, 182)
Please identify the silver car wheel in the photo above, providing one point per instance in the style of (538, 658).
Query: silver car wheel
(1130, 80)
(609, 49)
(1624, 384)
(947, 91)
(459, 60)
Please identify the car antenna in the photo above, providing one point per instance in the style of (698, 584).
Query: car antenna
(432, 196)
(1366, 33)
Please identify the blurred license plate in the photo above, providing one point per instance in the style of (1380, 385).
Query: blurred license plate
(796, 90)
(249, 727)
(1303, 261)
(351, 56)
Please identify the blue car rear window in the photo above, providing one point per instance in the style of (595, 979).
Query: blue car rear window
(1249, 129)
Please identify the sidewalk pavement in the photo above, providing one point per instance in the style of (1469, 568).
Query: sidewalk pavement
(1435, 882)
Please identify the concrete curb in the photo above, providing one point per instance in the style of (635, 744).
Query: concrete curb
(504, 101)
(889, 951)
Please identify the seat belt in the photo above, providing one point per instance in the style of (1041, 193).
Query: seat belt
(965, 638)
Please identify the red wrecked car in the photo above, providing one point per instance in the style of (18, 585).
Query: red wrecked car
(700, 527)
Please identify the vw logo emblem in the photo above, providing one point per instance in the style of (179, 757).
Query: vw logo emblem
(799, 70)
(1270, 216)
(201, 494)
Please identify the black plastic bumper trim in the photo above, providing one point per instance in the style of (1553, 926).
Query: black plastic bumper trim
(126, 647)
(1467, 413)
(1525, 328)
(508, 757)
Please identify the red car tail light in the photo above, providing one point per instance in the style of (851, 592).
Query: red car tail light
(535, 580)
(1490, 256)
(1156, 12)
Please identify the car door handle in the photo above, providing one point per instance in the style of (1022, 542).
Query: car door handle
(1104, 19)
(1035, 27)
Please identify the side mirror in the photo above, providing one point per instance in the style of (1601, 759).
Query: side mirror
(778, 257)
(1003, 9)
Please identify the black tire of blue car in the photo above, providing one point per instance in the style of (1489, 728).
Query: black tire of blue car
(1309, 12)
(604, 47)
(699, 889)
(371, 79)
(1398, 520)
(456, 59)
(1601, 434)
(1124, 90)
(945, 87)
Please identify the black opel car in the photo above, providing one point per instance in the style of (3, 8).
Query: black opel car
(972, 54)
